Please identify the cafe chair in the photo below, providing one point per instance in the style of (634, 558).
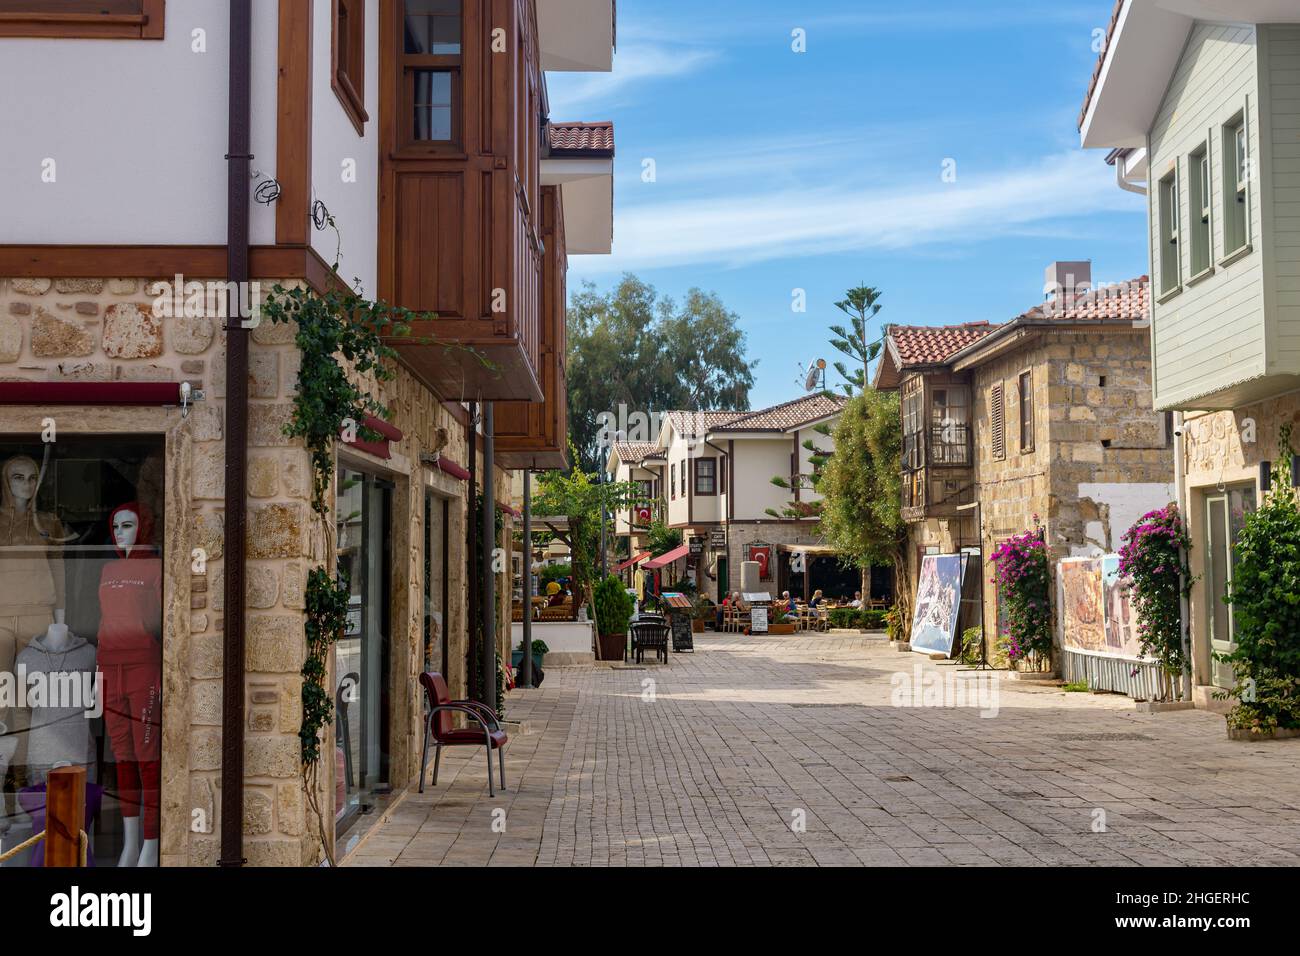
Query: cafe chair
(439, 731)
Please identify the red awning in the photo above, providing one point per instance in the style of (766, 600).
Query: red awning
(676, 554)
(90, 393)
(631, 561)
(449, 467)
(513, 512)
(388, 433)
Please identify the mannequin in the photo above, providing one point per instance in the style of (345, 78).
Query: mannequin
(31, 579)
(130, 658)
(8, 744)
(59, 728)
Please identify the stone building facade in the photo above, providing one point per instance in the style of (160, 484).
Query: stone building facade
(1052, 425)
(104, 330)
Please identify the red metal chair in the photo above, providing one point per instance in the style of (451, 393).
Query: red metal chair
(438, 728)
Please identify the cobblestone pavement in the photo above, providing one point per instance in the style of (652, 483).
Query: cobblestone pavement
(749, 737)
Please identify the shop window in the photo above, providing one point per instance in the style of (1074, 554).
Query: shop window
(349, 52)
(363, 517)
(81, 638)
(431, 69)
(83, 19)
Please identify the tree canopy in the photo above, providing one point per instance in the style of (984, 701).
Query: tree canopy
(650, 354)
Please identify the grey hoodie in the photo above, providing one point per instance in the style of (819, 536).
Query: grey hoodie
(59, 734)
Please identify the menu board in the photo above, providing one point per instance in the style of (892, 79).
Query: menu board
(682, 639)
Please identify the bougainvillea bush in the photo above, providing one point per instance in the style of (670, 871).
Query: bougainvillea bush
(1154, 558)
(1265, 599)
(1024, 593)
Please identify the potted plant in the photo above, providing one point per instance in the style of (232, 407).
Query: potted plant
(540, 650)
(779, 622)
(613, 607)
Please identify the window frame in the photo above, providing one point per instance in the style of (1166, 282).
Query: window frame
(1169, 220)
(407, 65)
(117, 23)
(348, 72)
(1025, 387)
(1236, 186)
(700, 491)
(672, 479)
(1200, 206)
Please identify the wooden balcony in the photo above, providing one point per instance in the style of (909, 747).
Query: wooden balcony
(459, 215)
(535, 435)
(937, 473)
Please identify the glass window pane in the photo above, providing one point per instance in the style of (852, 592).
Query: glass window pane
(432, 118)
(432, 27)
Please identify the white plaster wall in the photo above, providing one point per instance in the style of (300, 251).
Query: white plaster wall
(757, 462)
(138, 132)
(1127, 502)
(354, 205)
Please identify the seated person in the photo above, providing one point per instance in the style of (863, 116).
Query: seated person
(787, 602)
(817, 600)
(857, 600)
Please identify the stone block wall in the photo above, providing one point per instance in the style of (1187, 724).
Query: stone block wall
(106, 330)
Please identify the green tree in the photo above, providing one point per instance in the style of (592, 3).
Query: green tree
(661, 539)
(861, 306)
(862, 489)
(577, 496)
(631, 347)
(800, 507)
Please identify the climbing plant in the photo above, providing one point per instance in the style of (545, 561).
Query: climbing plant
(1024, 588)
(1265, 582)
(1154, 557)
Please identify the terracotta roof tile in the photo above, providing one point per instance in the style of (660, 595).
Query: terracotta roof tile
(635, 452)
(581, 137)
(788, 415)
(931, 344)
(1129, 301)
(1101, 60)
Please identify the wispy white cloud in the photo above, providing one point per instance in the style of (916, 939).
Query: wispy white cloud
(635, 65)
(758, 223)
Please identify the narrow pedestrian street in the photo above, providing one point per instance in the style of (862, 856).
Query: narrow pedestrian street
(788, 751)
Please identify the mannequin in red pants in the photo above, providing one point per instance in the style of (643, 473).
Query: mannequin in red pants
(130, 642)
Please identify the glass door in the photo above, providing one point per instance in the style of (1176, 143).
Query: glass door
(363, 514)
(1225, 516)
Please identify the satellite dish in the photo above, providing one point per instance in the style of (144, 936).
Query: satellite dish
(816, 372)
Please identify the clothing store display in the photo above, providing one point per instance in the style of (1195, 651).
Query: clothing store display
(58, 730)
(32, 800)
(130, 639)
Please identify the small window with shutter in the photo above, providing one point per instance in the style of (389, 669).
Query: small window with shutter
(998, 422)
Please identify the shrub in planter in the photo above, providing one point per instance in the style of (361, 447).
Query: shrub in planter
(1153, 558)
(874, 618)
(613, 607)
(1266, 611)
(1024, 588)
(895, 626)
(849, 617)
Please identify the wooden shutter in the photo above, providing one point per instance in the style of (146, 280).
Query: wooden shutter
(998, 422)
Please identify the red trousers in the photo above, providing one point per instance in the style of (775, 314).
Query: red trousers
(133, 717)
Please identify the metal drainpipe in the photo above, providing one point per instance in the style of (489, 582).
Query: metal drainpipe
(471, 558)
(526, 665)
(237, 272)
(1184, 606)
(489, 606)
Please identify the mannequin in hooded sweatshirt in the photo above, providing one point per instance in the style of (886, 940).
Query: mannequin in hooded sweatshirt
(130, 638)
(31, 578)
(59, 725)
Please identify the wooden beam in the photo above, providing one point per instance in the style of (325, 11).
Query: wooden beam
(159, 262)
(293, 128)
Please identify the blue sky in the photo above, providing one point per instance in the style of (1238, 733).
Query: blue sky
(820, 170)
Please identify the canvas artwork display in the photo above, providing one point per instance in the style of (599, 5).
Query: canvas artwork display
(1121, 625)
(938, 603)
(1082, 612)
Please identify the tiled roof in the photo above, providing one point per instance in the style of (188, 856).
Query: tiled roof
(581, 137)
(1129, 301)
(635, 452)
(788, 415)
(931, 344)
(696, 423)
(1101, 60)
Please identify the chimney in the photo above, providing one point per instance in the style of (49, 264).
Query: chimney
(1067, 280)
